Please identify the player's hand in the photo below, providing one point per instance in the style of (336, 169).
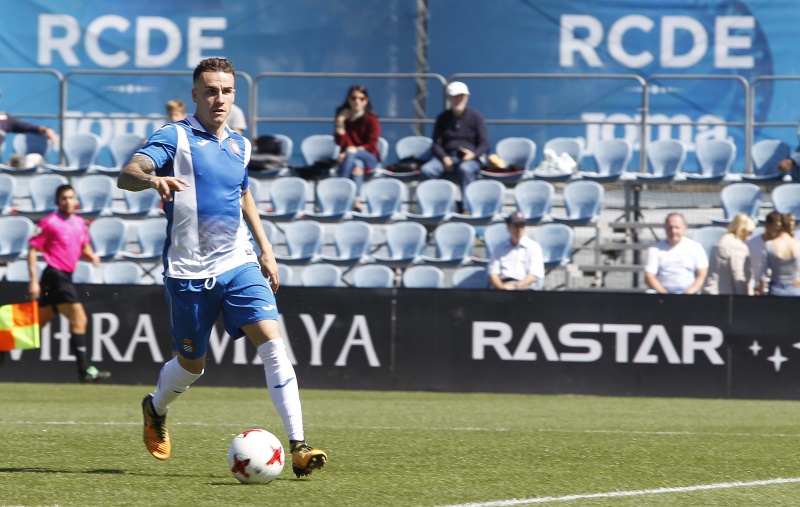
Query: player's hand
(164, 185)
(34, 290)
(269, 268)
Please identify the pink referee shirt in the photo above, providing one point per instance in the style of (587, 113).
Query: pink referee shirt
(61, 240)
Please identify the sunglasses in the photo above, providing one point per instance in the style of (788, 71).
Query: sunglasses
(356, 97)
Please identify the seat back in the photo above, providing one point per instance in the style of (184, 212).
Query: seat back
(31, 142)
(321, 275)
(81, 150)
(122, 273)
(766, 154)
(14, 234)
(142, 201)
(336, 195)
(42, 189)
(666, 156)
(303, 239)
(786, 198)
(741, 198)
(436, 197)
(384, 196)
(405, 239)
(612, 156)
(708, 236)
(95, 192)
(84, 273)
(715, 156)
(108, 235)
(583, 199)
(519, 151)
(373, 276)
(17, 271)
(484, 197)
(534, 198)
(152, 235)
(569, 145)
(352, 239)
(556, 242)
(383, 149)
(8, 186)
(419, 147)
(470, 277)
(423, 277)
(454, 240)
(288, 194)
(493, 236)
(122, 148)
(287, 145)
(285, 275)
(319, 147)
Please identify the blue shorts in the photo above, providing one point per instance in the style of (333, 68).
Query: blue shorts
(242, 294)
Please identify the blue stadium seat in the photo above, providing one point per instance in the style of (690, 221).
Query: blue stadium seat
(352, 241)
(556, 242)
(81, 151)
(786, 198)
(418, 147)
(483, 201)
(42, 189)
(151, 236)
(122, 273)
(708, 236)
(122, 148)
(85, 272)
(470, 277)
(666, 158)
(612, 157)
(384, 200)
(436, 200)
(95, 193)
(319, 147)
(453, 242)
(108, 235)
(303, 242)
(288, 197)
(405, 242)
(739, 198)
(335, 198)
(517, 151)
(765, 155)
(14, 234)
(583, 201)
(493, 235)
(321, 275)
(534, 199)
(373, 276)
(715, 159)
(8, 187)
(423, 277)
(140, 204)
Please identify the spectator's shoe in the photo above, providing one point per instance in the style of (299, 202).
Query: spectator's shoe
(156, 435)
(92, 374)
(306, 459)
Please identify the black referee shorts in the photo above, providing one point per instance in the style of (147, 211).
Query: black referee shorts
(57, 288)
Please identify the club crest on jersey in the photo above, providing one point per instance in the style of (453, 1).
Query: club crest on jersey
(187, 346)
(235, 147)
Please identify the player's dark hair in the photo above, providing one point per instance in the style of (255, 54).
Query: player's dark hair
(61, 189)
(213, 65)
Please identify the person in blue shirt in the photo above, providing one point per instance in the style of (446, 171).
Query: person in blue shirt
(199, 167)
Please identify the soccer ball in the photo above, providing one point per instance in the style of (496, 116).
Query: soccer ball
(255, 457)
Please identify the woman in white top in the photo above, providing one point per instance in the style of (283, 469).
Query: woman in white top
(729, 265)
(781, 263)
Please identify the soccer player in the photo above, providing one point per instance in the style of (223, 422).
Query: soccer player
(62, 237)
(198, 166)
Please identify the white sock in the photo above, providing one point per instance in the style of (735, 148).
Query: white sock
(172, 382)
(282, 386)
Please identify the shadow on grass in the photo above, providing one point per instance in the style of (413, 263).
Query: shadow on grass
(96, 471)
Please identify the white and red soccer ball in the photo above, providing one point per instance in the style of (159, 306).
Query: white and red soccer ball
(255, 457)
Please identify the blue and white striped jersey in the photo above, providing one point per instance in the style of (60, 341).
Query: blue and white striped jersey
(206, 234)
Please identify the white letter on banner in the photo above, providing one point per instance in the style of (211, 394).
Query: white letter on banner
(144, 333)
(499, 341)
(724, 41)
(48, 43)
(64, 337)
(617, 33)
(93, 33)
(147, 24)
(360, 328)
(690, 344)
(197, 42)
(594, 349)
(656, 333)
(100, 336)
(315, 337)
(669, 24)
(535, 331)
(621, 332)
(569, 44)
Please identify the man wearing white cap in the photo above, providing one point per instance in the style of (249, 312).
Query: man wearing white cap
(516, 263)
(459, 140)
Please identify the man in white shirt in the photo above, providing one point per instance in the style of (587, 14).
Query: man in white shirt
(236, 120)
(517, 263)
(676, 265)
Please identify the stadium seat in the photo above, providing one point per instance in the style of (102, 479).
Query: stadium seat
(95, 194)
(786, 198)
(303, 242)
(470, 277)
(405, 242)
(483, 201)
(417, 147)
(285, 275)
(151, 237)
(287, 145)
(583, 201)
(81, 151)
(423, 277)
(122, 273)
(765, 155)
(288, 197)
(85, 272)
(8, 187)
(492, 236)
(739, 198)
(708, 236)
(373, 276)
(14, 234)
(122, 148)
(612, 157)
(108, 235)
(715, 159)
(666, 158)
(140, 204)
(569, 145)
(556, 242)
(517, 151)
(436, 200)
(453, 242)
(319, 147)
(17, 270)
(352, 242)
(335, 197)
(384, 199)
(534, 199)
(28, 143)
(42, 190)
(321, 275)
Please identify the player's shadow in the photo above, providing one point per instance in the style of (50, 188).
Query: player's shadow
(39, 470)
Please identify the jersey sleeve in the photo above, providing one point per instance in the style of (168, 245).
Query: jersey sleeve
(161, 146)
(39, 239)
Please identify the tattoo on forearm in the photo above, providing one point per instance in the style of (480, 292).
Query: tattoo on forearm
(131, 176)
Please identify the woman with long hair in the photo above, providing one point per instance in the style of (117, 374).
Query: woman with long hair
(729, 269)
(781, 261)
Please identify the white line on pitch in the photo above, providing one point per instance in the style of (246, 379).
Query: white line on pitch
(617, 494)
(689, 433)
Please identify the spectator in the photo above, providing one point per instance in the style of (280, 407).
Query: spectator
(517, 263)
(459, 140)
(756, 246)
(676, 265)
(236, 120)
(176, 110)
(791, 165)
(356, 131)
(729, 270)
(780, 266)
(9, 123)
(62, 238)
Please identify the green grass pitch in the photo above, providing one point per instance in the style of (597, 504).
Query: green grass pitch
(80, 445)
